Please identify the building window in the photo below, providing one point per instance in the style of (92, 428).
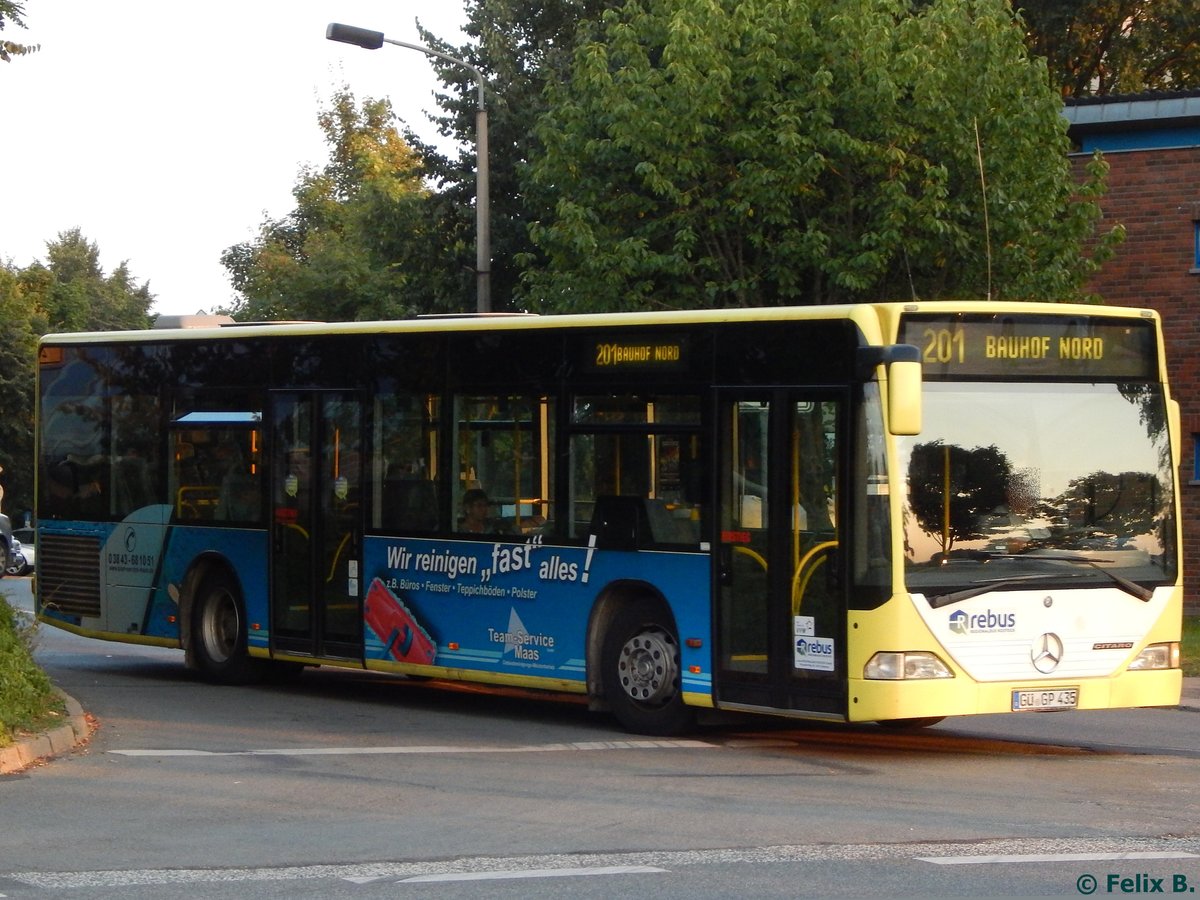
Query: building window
(1196, 247)
(1196, 459)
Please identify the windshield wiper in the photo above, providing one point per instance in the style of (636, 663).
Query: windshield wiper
(1130, 587)
(937, 601)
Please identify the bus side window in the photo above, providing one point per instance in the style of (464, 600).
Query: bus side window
(636, 469)
(404, 470)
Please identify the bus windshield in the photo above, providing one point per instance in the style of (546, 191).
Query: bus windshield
(1013, 485)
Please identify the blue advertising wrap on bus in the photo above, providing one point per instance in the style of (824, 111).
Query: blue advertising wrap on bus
(515, 608)
(508, 607)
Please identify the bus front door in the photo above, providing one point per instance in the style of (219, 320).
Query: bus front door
(781, 607)
(316, 596)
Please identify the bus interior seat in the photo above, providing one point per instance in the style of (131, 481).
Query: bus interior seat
(667, 528)
(628, 523)
(410, 503)
(620, 523)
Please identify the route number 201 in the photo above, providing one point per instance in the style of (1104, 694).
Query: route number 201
(943, 346)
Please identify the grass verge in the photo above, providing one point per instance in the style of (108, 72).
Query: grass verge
(28, 701)
(1191, 646)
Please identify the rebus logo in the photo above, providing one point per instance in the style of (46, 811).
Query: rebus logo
(988, 621)
(958, 622)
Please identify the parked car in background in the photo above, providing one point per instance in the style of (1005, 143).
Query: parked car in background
(22, 559)
(6, 544)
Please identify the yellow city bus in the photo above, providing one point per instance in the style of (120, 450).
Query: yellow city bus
(891, 512)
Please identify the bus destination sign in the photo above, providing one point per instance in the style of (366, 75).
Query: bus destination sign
(981, 345)
(636, 353)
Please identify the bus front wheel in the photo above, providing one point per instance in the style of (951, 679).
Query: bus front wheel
(219, 631)
(641, 671)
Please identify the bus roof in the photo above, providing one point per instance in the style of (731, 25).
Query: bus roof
(201, 328)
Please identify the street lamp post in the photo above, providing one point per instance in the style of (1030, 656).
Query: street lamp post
(373, 40)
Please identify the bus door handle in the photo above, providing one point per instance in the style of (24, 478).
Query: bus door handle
(725, 565)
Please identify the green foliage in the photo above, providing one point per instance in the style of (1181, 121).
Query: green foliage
(18, 350)
(74, 294)
(521, 48)
(1116, 46)
(13, 12)
(708, 153)
(1191, 646)
(358, 230)
(27, 698)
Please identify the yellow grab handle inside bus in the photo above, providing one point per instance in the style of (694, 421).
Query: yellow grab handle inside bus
(806, 567)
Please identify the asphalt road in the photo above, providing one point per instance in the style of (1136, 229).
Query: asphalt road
(345, 784)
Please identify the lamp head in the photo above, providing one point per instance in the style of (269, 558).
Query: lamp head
(359, 37)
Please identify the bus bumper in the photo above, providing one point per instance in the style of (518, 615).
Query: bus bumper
(871, 701)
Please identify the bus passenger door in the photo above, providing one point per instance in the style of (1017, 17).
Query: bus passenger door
(781, 605)
(316, 490)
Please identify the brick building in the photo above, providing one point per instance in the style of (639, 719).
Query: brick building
(1152, 145)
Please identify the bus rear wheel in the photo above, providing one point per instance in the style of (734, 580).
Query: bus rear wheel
(641, 671)
(219, 632)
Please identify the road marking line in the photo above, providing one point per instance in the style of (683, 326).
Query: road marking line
(1073, 849)
(576, 746)
(1050, 857)
(532, 873)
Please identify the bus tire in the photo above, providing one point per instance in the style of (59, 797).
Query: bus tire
(219, 631)
(640, 671)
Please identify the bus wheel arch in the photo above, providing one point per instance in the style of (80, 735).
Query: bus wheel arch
(634, 660)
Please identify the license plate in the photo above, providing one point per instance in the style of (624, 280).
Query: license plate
(1059, 698)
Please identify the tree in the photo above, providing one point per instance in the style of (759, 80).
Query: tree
(13, 12)
(1116, 46)
(961, 489)
(74, 294)
(18, 351)
(348, 249)
(521, 48)
(708, 153)
(1103, 505)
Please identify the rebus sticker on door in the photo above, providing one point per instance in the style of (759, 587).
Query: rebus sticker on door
(811, 652)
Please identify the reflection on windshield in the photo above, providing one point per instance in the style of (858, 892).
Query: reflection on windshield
(1005, 480)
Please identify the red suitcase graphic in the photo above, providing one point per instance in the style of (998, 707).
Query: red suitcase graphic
(403, 638)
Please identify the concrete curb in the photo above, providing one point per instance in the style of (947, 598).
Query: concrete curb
(34, 748)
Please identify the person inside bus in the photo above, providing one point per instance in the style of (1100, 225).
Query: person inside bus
(475, 518)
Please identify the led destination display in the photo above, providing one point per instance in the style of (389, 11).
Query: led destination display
(1004, 346)
(649, 353)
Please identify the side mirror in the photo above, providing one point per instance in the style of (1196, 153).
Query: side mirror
(904, 397)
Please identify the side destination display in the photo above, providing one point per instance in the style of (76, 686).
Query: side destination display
(636, 352)
(979, 345)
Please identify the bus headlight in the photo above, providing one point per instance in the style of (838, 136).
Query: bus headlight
(1157, 656)
(896, 666)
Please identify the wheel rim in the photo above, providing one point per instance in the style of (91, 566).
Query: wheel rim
(219, 626)
(648, 667)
